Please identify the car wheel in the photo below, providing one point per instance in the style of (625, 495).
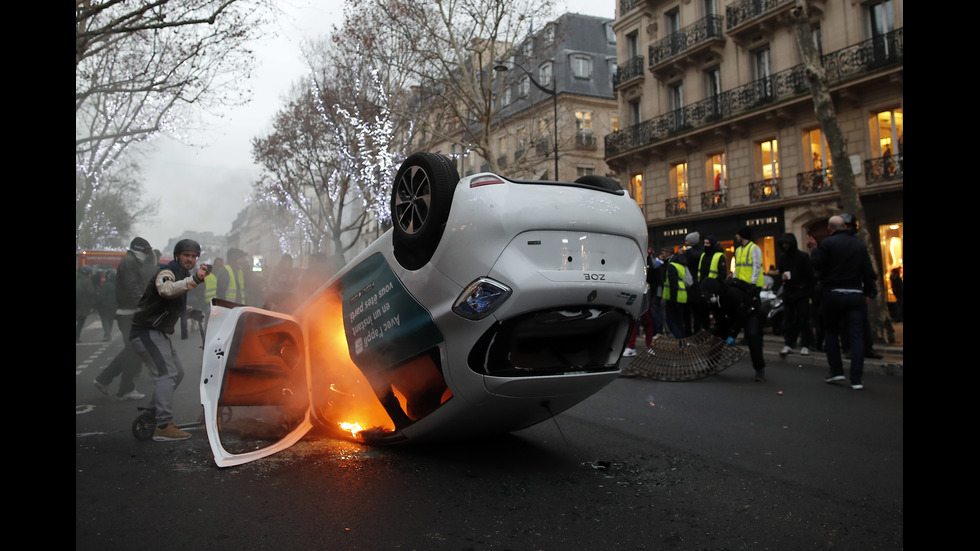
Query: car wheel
(420, 201)
(599, 181)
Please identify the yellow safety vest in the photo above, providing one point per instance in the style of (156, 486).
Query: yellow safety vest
(681, 286)
(713, 269)
(210, 287)
(236, 286)
(743, 265)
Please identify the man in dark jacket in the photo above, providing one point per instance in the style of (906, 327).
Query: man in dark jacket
(849, 282)
(135, 270)
(160, 308)
(798, 282)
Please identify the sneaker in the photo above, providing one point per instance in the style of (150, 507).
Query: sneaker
(629, 352)
(101, 387)
(834, 378)
(169, 434)
(132, 395)
(858, 386)
(760, 376)
(785, 350)
(804, 351)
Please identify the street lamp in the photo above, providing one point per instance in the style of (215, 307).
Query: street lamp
(554, 97)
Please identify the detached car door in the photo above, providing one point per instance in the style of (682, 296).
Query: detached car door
(254, 383)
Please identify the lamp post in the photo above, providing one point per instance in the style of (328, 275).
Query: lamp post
(553, 92)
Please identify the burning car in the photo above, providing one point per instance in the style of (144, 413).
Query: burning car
(491, 305)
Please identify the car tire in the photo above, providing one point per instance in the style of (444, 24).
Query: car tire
(601, 182)
(421, 197)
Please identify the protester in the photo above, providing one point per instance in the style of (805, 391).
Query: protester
(677, 279)
(84, 298)
(231, 281)
(135, 270)
(849, 282)
(160, 308)
(693, 250)
(798, 282)
(711, 265)
(105, 303)
(741, 299)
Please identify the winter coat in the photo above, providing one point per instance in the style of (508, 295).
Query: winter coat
(800, 285)
(84, 295)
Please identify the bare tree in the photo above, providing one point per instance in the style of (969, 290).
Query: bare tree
(823, 108)
(139, 66)
(447, 50)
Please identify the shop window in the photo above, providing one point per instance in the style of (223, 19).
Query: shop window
(892, 254)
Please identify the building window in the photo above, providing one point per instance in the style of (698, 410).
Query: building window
(524, 87)
(505, 97)
(886, 133)
(769, 159)
(583, 122)
(615, 123)
(584, 171)
(610, 33)
(529, 48)
(678, 178)
(581, 66)
(634, 112)
(819, 154)
(763, 72)
(544, 74)
(636, 188)
(717, 172)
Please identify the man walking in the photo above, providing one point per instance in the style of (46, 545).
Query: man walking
(135, 270)
(849, 282)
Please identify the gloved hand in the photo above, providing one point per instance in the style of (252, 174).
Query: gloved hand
(730, 341)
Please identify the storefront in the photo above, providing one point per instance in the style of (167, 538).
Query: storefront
(767, 226)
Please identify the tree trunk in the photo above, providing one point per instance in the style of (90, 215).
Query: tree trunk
(823, 108)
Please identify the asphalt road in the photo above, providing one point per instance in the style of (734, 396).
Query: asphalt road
(721, 463)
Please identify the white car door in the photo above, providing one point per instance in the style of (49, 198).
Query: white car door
(254, 383)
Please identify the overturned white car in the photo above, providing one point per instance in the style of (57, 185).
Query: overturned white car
(491, 305)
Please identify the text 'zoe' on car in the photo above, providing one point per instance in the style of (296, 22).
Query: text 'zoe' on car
(490, 305)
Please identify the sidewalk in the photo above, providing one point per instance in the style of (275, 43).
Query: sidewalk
(891, 363)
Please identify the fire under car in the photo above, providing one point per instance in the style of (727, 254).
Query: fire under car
(491, 305)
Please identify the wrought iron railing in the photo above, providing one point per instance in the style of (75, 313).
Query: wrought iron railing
(884, 169)
(764, 190)
(868, 56)
(632, 68)
(708, 28)
(676, 206)
(740, 12)
(585, 140)
(815, 181)
(714, 199)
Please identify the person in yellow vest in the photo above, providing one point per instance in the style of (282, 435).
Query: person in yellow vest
(740, 300)
(677, 280)
(711, 265)
(211, 286)
(230, 283)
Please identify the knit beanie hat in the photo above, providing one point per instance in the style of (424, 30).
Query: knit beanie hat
(141, 245)
(745, 233)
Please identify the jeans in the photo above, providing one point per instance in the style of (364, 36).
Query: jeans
(848, 312)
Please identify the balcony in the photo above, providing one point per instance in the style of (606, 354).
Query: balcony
(764, 191)
(815, 181)
(693, 44)
(748, 19)
(884, 169)
(629, 73)
(586, 140)
(850, 63)
(676, 206)
(714, 200)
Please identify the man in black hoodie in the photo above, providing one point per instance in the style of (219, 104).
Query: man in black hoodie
(798, 282)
